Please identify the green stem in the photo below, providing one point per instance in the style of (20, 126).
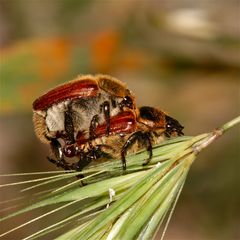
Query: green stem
(230, 124)
(198, 147)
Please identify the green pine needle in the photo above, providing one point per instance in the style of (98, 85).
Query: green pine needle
(113, 204)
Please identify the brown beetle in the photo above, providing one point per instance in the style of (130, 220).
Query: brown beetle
(77, 107)
(95, 116)
(129, 132)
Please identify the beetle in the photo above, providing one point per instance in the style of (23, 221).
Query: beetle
(95, 116)
(130, 131)
(78, 107)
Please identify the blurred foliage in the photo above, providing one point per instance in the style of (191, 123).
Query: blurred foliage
(29, 68)
(143, 41)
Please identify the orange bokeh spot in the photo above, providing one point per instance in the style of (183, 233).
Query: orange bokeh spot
(133, 59)
(53, 56)
(103, 49)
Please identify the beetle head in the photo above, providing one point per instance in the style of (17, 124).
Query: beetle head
(154, 119)
(173, 127)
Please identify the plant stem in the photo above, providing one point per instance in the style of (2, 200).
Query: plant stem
(198, 147)
(230, 124)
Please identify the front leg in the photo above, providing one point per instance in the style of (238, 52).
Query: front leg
(145, 137)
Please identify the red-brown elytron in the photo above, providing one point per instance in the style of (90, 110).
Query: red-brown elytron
(95, 116)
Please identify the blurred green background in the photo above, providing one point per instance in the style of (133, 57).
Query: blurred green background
(182, 56)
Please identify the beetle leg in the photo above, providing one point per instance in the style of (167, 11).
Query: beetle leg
(148, 143)
(131, 140)
(60, 163)
(68, 123)
(57, 151)
(92, 128)
(87, 157)
(83, 162)
(145, 136)
(106, 111)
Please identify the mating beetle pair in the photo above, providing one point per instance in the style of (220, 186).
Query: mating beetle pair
(96, 116)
